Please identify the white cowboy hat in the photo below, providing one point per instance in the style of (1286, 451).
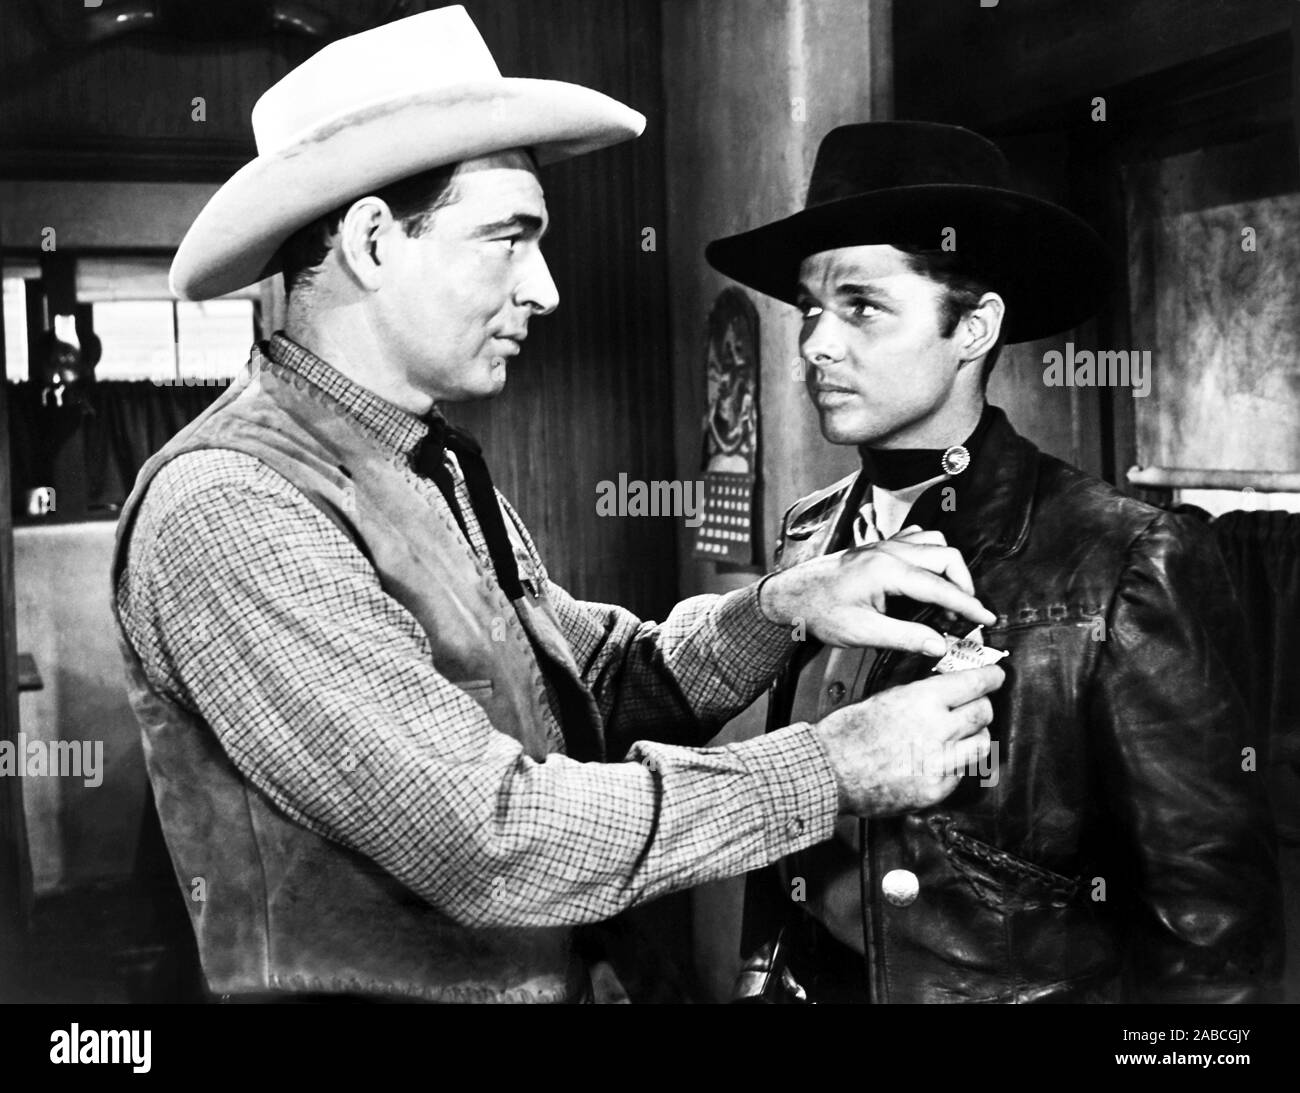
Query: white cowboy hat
(367, 110)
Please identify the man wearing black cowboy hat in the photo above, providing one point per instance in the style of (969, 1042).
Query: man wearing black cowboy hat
(1118, 846)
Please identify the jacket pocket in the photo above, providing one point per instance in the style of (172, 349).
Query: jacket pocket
(1002, 879)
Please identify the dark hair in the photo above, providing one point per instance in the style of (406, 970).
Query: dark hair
(962, 292)
(413, 202)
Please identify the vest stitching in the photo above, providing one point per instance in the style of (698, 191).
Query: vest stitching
(267, 963)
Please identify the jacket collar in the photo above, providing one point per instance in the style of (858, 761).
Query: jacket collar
(989, 519)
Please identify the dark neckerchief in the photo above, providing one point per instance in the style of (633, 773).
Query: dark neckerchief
(581, 738)
(898, 468)
(430, 462)
(929, 509)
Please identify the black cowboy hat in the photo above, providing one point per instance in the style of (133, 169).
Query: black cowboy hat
(904, 183)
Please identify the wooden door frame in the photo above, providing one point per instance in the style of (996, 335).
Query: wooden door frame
(15, 859)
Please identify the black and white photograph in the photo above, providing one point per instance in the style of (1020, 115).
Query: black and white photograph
(652, 502)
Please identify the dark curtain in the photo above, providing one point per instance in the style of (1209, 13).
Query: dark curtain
(91, 449)
(130, 423)
(1262, 551)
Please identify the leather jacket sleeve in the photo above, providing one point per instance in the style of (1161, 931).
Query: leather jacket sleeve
(1182, 791)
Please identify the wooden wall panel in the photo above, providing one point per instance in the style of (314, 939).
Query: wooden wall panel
(591, 395)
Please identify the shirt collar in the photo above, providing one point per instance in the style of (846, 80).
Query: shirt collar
(393, 427)
(887, 510)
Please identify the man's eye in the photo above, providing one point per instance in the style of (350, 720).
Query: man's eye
(861, 307)
(810, 311)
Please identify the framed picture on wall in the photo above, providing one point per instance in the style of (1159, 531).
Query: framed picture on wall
(731, 432)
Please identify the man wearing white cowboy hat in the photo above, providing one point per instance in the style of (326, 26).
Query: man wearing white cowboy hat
(390, 757)
(1119, 845)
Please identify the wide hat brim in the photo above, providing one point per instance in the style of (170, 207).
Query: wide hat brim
(1051, 269)
(235, 240)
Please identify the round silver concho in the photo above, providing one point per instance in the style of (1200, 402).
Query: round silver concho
(955, 460)
(900, 887)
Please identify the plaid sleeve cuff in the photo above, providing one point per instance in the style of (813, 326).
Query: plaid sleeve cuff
(796, 784)
(754, 646)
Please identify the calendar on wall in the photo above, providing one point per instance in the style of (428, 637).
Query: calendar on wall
(730, 450)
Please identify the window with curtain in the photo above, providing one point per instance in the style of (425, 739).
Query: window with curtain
(75, 456)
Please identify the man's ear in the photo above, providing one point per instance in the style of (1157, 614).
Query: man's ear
(981, 326)
(363, 238)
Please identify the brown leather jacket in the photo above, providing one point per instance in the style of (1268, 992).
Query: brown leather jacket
(1122, 848)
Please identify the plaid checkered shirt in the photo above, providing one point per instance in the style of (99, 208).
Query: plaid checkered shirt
(248, 606)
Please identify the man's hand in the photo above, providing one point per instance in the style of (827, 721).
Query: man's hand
(905, 748)
(840, 597)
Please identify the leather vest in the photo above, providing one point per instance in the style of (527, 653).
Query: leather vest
(287, 910)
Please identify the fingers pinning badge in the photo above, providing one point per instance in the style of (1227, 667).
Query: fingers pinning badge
(968, 652)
